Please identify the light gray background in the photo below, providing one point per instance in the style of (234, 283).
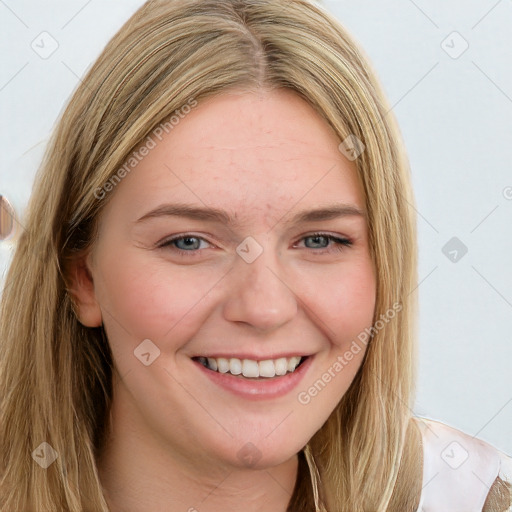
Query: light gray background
(455, 115)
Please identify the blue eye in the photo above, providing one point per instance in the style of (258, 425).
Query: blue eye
(322, 240)
(190, 245)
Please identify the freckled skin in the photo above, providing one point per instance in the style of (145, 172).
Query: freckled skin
(262, 157)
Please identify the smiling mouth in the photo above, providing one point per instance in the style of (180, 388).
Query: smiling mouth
(250, 368)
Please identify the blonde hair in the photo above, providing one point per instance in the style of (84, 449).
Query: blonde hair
(55, 380)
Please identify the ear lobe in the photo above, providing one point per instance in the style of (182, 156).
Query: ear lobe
(83, 294)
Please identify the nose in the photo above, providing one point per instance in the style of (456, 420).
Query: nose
(258, 294)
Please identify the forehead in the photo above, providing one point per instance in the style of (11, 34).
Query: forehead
(251, 153)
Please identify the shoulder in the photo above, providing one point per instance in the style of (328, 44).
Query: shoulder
(459, 470)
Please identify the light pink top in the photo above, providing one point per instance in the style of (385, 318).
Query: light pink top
(458, 469)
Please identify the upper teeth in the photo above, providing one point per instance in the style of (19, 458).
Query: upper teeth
(251, 368)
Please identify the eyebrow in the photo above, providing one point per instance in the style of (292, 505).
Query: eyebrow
(328, 212)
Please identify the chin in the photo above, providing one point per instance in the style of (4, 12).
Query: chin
(264, 454)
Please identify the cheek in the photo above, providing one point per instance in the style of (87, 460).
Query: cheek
(342, 298)
(343, 305)
(153, 300)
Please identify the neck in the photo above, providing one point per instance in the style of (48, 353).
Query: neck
(139, 472)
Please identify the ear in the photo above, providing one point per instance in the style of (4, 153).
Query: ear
(82, 291)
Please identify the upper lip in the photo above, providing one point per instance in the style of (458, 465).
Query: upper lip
(253, 357)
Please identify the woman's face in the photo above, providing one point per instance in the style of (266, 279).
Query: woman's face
(250, 275)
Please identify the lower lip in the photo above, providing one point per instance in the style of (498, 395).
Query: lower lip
(264, 389)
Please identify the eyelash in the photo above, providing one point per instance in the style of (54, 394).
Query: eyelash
(340, 244)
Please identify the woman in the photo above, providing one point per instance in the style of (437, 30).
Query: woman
(212, 305)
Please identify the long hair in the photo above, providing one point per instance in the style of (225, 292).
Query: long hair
(55, 374)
